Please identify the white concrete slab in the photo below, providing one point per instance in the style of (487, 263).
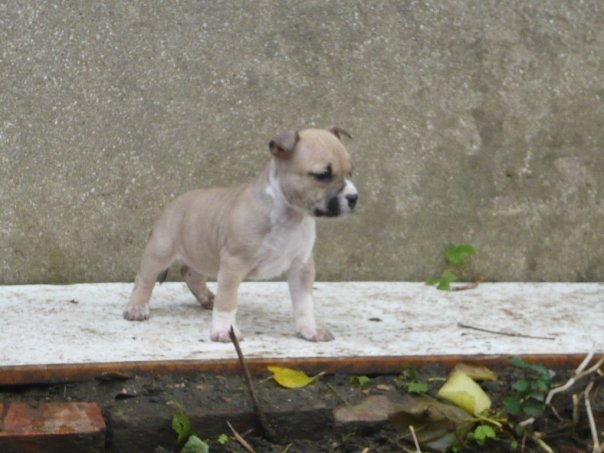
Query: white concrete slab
(43, 324)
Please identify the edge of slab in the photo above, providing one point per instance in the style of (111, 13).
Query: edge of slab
(59, 373)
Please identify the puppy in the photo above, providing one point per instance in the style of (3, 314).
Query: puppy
(257, 230)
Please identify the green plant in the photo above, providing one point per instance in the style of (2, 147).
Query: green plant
(408, 380)
(444, 281)
(417, 388)
(481, 433)
(223, 439)
(360, 381)
(455, 256)
(529, 393)
(182, 426)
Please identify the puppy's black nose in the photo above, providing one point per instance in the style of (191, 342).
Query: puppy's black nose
(352, 199)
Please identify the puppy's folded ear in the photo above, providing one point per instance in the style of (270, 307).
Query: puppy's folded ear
(283, 145)
(339, 132)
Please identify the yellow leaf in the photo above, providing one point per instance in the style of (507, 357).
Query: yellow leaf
(476, 372)
(464, 392)
(288, 378)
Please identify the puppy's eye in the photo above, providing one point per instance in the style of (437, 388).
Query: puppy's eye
(323, 176)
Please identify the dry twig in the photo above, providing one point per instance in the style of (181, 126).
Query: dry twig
(415, 441)
(465, 287)
(239, 438)
(590, 418)
(498, 332)
(578, 374)
(267, 430)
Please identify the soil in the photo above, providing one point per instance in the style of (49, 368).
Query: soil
(138, 410)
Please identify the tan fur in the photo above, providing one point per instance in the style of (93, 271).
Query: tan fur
(260, 229)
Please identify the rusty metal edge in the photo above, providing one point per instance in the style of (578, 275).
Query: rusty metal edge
(61, 373)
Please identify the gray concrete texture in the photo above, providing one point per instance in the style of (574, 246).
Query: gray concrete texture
(476, 122)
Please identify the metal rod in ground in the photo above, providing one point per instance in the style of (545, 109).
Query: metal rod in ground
(267, 430)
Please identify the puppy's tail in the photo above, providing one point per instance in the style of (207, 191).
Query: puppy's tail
(161, 277)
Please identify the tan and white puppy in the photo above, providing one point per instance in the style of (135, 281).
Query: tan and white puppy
(257, 230)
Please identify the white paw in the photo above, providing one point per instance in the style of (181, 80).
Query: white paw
(222, 334)
(134, 313)
(314, 334)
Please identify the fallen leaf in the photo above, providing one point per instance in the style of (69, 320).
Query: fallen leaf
(437, 425)
(195, 445)
(476, 372)
(464, 392)
(288, 378)
(372, 409)
(182, 426)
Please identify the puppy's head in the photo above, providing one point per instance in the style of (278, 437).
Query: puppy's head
(313, 170)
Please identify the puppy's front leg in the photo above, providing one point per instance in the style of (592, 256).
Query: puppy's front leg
(300, 279)
(225, 304)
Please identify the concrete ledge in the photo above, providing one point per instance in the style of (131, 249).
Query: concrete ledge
(78, 324)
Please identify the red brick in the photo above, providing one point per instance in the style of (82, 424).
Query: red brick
(53, 427)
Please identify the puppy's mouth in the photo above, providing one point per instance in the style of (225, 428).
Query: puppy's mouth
(334, 206)
(333, 209)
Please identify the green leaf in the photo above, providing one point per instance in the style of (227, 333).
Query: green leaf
(223, 439)
(540, 370)
(521, 386)
(482, 433)
(513, 445)
(444, 285)
(537, 396)
(417, 388)
(540, 385)
(288, 378)
(195, 445)
(445, 280)
(432, 281)
(449, 276)
(182, 426)
(456, 254)
(533, 408)
(536, 367)
(512, 405)
(360, 381)
(518, 362)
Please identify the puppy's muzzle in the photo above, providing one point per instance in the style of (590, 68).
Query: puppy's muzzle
(352, 200)
(342, 202)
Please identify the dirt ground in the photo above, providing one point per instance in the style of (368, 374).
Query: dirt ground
(138, 410)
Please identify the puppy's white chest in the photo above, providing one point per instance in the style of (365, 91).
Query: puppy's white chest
(286, 242)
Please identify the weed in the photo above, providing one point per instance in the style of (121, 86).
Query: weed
(360, 381)
(182, 426)
(455, 256)
(408, 380)
(528, 394)
(223, 439)
(417, 388)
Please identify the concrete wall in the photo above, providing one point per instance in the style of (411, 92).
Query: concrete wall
(473, 121)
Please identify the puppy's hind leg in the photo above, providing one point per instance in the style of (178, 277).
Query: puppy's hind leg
(153, 264)
(197, 284)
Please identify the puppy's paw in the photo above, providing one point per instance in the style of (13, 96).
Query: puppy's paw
(222, 335)
(206, 300)
(316, 334)
(134, 313)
